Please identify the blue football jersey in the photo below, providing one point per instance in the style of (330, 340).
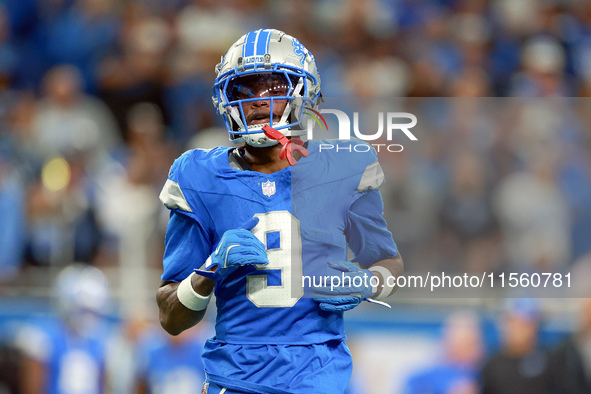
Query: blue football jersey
(171, 364)
(73, 363)
(308, 215)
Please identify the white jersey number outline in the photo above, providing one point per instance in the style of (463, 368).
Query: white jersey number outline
(287, 258)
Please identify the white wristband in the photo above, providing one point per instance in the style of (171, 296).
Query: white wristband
(386, 287)
(189, 297)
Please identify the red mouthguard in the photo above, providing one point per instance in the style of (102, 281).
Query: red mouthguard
(288, 145)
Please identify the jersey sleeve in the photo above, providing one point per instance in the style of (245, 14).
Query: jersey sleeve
(187, 247)
(188, 240)
(179, 193)
(367, 231)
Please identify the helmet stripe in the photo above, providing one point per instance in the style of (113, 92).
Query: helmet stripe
(263, 42)
(256, 42)
(249, 43)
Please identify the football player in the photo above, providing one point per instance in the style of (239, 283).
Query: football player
(251, 223)
(68, 354)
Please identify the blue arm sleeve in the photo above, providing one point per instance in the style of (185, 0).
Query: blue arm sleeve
(367, 233)
(187, 247)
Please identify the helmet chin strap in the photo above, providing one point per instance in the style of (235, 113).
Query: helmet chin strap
(288, 146)
(259, 140)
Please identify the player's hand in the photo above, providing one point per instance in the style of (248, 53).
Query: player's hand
(236, 248)
(349, 293)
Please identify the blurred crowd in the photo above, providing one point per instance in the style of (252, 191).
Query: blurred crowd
(97, 98)
(493, 185)
(521, 364)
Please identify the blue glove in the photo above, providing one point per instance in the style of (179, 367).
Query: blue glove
(236, 248)
(348, 294)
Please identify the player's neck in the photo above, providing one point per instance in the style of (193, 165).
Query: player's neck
(265, 160)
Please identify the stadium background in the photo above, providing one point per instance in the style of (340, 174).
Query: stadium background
(97, 97)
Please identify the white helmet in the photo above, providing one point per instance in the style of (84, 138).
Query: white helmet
(277, 61)
(82, 295)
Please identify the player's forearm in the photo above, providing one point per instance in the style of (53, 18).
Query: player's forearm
(394, 266)
(174, 316)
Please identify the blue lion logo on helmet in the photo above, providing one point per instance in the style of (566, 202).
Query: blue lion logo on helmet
(299, 50)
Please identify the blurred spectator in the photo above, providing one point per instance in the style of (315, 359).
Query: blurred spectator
(150, 152)
(129, 210)
(187, 97)
(171, 364)
(200, 26)
(209, 139)
(520, 366)
(581, 47)
(457, 373)
(473, 82)
(544, 62)
(200, 42)
(137, 172)
(575, 182)
(122, 356)
(81, 35)
(571, 360)
(10, 360)
(16, 134)
(62, 223)
(472, 33)
(467, 217)
(67, 355)
(21, 65)
(12, 218)
(68, 121)
(534, 216)
(377, 77)
(136, 74)
(8, 54)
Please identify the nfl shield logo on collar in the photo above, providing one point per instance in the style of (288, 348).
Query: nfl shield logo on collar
(268, 188)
